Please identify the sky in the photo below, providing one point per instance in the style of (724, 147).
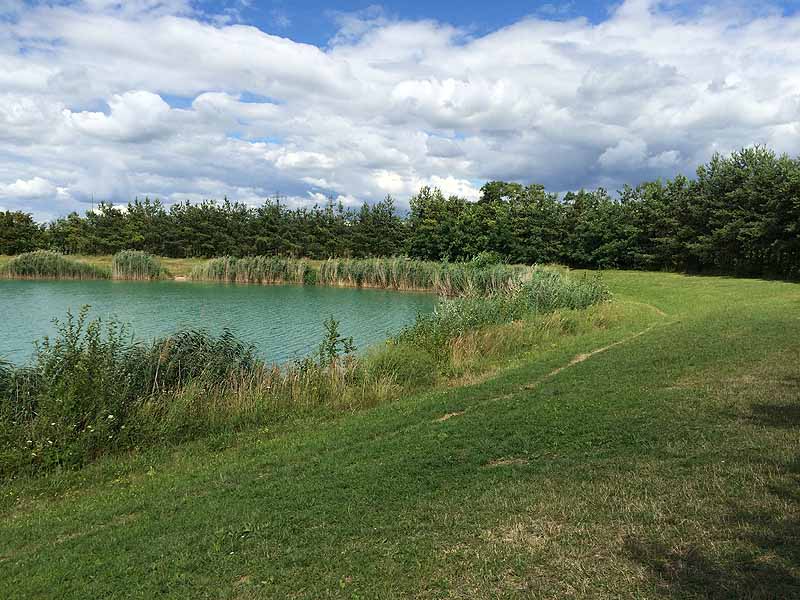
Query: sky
(186, 100)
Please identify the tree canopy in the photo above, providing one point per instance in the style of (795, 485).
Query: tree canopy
(739, 215)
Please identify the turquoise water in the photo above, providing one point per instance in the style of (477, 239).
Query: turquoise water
(282, 322)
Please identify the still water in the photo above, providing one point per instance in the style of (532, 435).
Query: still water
(282, 322)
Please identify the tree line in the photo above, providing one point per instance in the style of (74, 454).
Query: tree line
(740, 214)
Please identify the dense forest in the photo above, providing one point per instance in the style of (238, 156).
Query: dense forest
(739, 215)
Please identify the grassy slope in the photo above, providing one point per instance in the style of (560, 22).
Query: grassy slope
(666, 466)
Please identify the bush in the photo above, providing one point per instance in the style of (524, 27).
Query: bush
(73, 402)
(486, 259)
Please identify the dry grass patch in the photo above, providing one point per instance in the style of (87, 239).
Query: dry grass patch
(449, 416)
(507, 462)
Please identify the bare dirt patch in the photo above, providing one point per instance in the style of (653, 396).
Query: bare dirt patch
(449, 416)
(506, 462)
(584, 357)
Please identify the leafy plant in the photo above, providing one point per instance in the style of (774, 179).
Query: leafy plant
(334, 345)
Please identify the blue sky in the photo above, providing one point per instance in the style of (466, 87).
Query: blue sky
(179, 99)
(315, 22)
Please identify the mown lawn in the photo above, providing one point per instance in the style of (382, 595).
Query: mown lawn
(666, 465)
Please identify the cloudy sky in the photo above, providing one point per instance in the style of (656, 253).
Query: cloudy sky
(188, 100)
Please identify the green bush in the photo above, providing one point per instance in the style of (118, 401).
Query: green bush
(73, 402)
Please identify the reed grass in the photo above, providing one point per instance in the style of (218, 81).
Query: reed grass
(396, 273)
(443, 278)
(254, 269)
(92, 389)
(44, 264)
(136, 265)
(544, 290)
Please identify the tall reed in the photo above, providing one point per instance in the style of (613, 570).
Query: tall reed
(545, 290)
(136, 265)
(396, 273)
(254, 269)
(44, 264)
(446, 279)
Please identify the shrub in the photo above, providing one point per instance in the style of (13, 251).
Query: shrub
(73, 402)
(486, 259)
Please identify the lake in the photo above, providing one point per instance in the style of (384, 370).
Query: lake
(282, 322)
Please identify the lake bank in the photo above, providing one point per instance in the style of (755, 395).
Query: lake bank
(664, 466)
(89, 390)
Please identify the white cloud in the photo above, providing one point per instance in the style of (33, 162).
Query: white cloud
(28, 189)
(624, 154)
(136, 116)
(151, 97)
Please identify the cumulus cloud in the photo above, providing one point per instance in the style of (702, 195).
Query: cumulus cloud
(30, 188)
(153, 97)
(136, 116)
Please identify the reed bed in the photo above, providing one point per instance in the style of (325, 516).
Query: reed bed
(446, 279)
(136, 265)
(397, 273)
(44, 264)
(254, 269)
(544, 290)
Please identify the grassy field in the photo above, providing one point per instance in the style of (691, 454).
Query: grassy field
(653, 455)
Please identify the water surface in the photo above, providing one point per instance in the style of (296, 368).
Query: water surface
(283, 322)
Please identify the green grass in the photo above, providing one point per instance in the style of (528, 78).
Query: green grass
(665, 466)
(479, 277)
